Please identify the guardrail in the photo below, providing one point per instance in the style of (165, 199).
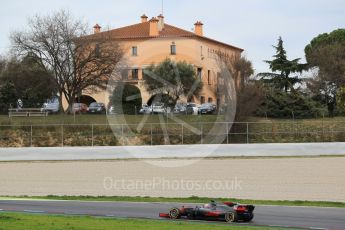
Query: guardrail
(50, 135)
(27, 112)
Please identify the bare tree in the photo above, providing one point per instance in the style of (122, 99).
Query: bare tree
(2, 64)
(323, 89)
(249, 94)
(79, 62)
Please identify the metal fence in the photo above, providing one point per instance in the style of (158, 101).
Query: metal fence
(50, 135)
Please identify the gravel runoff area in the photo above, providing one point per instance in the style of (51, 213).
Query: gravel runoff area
(313, 178)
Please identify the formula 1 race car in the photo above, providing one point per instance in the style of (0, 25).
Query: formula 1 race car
(225, 211)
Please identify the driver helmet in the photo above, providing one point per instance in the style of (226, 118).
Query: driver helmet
(207, 206)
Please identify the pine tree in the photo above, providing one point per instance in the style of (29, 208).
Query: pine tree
(282, 68)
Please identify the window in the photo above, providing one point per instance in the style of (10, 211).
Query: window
(173, 49)
(143, 74)
(202, 100)
(134, 51)
(135, 74)
(124, 74)
(199, 73)
(210, 100)
(209, 77)
(220, 80)
(97, 51)
(190, 99)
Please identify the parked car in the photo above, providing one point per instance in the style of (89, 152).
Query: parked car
(111, 110)
(158, 108)
(207, 108)
(192, 109)
(51, 106)
(180, 108)
(79, 108)
(96, 107)
(145, 109)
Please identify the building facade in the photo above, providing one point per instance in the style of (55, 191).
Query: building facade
(152, 41)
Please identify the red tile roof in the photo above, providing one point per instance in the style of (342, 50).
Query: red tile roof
(142, 30)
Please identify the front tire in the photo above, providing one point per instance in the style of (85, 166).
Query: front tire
(230, 217)
(175, 213)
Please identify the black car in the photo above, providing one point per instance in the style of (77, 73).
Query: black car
(207, 108)
(96, 107)
(226, 211)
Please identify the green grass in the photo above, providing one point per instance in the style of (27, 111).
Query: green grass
(193, 199)
(78, 131)
(101, 119)
(299, 130)
(134, 119)
(18, 221)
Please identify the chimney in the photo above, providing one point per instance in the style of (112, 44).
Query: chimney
(154, 27)
(97, 29)
(160, 22)
(143, 18)
(198, 28)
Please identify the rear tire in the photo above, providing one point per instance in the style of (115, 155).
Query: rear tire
(250, 218)
(230, 217)
(190, 216)
(175, 213)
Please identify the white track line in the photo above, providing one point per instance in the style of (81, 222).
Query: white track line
(34, 211)
(75, 213)
(279, 226)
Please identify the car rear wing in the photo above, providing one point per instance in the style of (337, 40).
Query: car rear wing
(249, 208)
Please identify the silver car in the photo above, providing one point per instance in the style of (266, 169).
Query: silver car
(145, 109)
(158, 108)
(52, 106)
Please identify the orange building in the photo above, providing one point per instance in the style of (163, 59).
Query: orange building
(152, 41)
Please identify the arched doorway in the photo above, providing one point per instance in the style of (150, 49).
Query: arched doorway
(126, 99)
(161, 99)
(85, 99)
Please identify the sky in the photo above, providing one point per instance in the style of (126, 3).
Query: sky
(253, 25)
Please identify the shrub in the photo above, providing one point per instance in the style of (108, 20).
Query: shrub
(279, 104)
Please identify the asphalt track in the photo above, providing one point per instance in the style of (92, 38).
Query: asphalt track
(283, 216)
